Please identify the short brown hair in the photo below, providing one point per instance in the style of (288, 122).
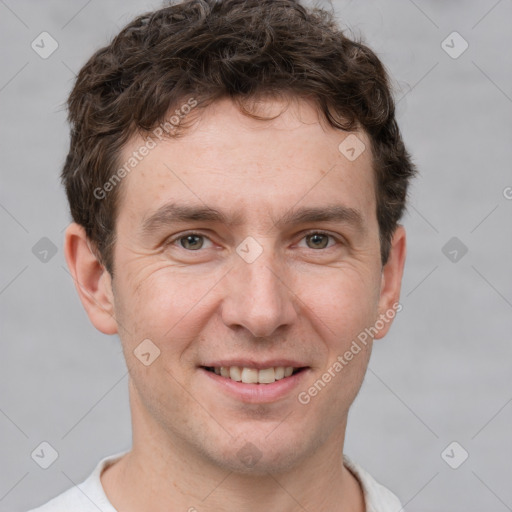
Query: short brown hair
(212, 49)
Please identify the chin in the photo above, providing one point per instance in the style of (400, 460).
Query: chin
(250, 460)
(258, 453)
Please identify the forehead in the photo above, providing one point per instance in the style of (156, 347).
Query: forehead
(236, 163)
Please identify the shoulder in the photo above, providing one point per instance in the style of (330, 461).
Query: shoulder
(377, 497)
(69, 501)
(87, 496)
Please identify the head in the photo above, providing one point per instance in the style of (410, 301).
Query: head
(239, 109)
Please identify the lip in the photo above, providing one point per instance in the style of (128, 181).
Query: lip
(258, 365)
(257, 393)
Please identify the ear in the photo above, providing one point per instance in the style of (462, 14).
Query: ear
(391, 281)
(92, 281)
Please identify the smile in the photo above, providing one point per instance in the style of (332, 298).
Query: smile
(254, 375)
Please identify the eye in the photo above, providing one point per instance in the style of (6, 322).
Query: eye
(319, 240)
(190, 241)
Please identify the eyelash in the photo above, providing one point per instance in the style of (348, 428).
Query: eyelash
(312, 232)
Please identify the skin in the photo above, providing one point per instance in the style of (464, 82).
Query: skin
(297, 300)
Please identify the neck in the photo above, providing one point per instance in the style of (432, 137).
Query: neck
(163, 472)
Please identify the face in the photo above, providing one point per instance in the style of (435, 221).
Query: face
(278, 267)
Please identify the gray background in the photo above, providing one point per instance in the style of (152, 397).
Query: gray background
(443, 373)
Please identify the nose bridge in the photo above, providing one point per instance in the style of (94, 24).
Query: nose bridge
(259, 298)
(265, 284)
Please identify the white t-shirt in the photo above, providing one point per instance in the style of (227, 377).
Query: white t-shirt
(89, 496)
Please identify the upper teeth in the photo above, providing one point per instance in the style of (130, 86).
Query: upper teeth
(254, 376)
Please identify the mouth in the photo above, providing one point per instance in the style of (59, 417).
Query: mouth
(248, 375)
(255, 383)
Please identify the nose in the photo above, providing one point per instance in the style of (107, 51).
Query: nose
(258, 296)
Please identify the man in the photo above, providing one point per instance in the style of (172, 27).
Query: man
(236, 177)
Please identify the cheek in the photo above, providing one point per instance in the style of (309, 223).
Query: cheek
(341, 303)
(160, 302)
(339, 308)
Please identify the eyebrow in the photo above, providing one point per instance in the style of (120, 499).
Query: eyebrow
(174, 213)
(329, 213)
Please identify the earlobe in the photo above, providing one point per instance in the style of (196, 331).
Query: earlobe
(92, 280)
(391, 281)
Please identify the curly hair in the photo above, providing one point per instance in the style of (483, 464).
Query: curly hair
(212, 49)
